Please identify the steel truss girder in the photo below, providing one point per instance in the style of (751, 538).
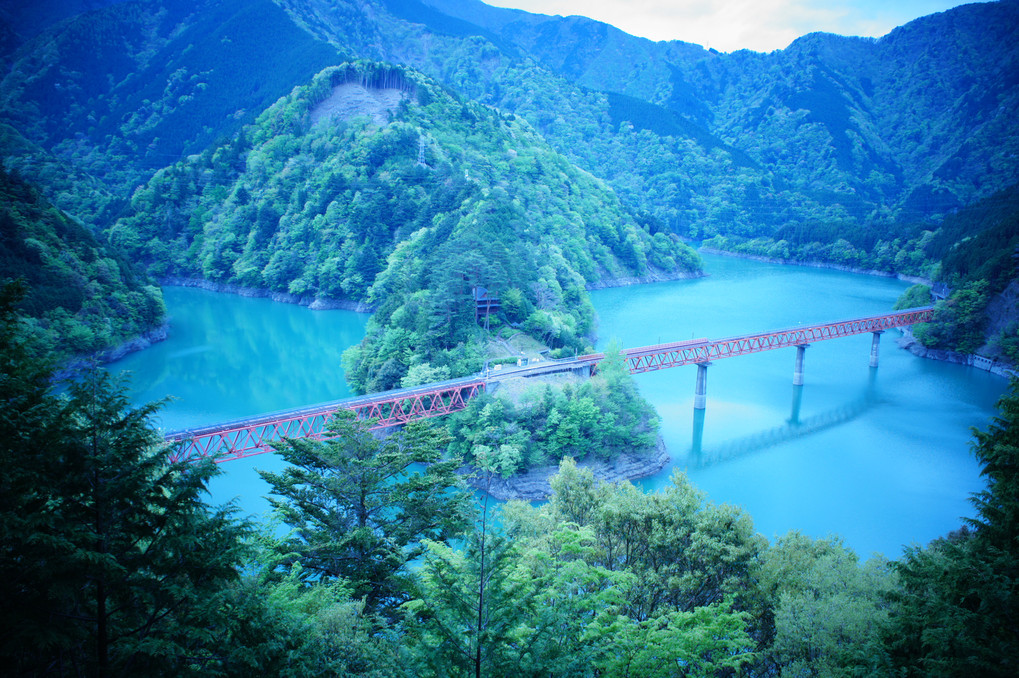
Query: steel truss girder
(238, 440)
(662, 356)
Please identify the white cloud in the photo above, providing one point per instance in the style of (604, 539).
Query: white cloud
(729, 25)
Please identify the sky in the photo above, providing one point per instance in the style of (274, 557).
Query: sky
(730, 25)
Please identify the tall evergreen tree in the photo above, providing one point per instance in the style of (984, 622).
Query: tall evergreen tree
(473, 611)
(112, 564)
(360, 505)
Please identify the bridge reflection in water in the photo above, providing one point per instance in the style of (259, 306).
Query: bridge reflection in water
(793, 429)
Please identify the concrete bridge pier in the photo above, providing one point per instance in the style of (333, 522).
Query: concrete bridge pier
(700, 397)
(798, 370)
(875, 342)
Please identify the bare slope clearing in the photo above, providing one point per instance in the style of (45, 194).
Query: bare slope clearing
(351, 100)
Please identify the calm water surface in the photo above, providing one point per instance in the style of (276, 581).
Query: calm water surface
(228, 357)
(880, 457)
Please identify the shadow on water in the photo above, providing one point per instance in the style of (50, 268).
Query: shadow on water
(794, 428)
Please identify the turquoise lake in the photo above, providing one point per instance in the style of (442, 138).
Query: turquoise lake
(879, 456)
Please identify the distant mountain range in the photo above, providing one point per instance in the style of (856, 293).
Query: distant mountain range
(836, 149)
(907, 127)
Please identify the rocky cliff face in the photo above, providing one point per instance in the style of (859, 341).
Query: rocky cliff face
(981, 362)
(1002, 313)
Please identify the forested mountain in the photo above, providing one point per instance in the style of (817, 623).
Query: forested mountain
(844, 137)
(406, 154)
(76, 284)
(374, 184)
(843, 150)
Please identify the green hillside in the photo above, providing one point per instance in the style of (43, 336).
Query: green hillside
(82, 295)
(373, 184)
(835, 150)
(402, 155)
(133, 87)
(832, 136)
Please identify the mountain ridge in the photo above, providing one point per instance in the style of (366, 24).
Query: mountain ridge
(846, 150)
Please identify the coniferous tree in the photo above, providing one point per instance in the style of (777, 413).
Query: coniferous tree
(112, 562)
(360, 508)
(474, 609)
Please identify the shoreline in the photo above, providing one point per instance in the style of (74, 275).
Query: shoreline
(312, 302)
(816, 263)
(156, 334)
(907, 341)
(533, 485)
(162, 331)
(115, 353)
(655, 277)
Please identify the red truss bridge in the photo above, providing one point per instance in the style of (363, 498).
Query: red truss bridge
(255, 435)
(699, 351)
(247, 437)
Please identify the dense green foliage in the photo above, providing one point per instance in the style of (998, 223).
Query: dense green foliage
(114, 565)
(111, 563)
(832, 135)
(838, 150)
(83, 296)
(153, 122)
(129, 89)
(410, 215)
(550, 600)
(828, 610)
(975, 251)
(599, 418)
(360, 511)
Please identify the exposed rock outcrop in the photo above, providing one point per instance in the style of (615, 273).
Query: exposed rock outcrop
(909, 342)
(534, 484)
(349, 100)
(653, 276)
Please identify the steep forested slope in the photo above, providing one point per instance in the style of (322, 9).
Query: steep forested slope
(838, 138)
(131, 88)
(81, 296)
(978, 251)
(926, 107)
(846, 133)
(844, 150)
(374, 184)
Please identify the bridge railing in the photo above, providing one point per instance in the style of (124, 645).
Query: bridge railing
(662, 356)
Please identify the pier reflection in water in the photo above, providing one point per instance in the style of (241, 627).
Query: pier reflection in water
(793, 429)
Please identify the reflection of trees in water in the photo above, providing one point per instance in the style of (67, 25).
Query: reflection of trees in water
(234, 356)
(793, 429)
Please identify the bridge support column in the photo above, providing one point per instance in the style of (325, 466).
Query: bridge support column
(874, 347)
(700, 397)
(798, 370)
